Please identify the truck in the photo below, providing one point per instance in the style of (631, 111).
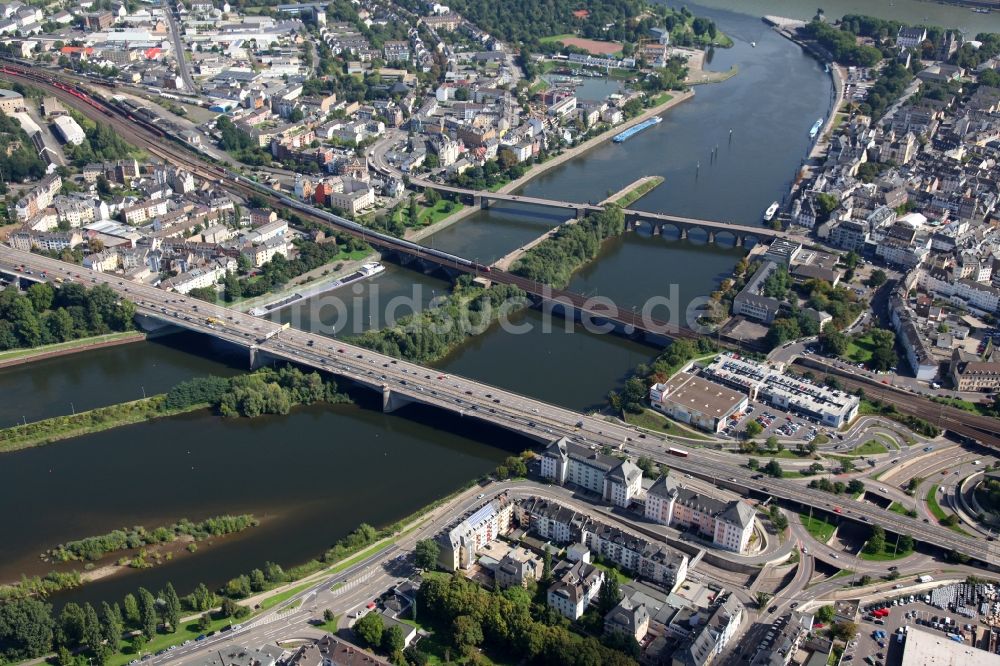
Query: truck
(924, 579)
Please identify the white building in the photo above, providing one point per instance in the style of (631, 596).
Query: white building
(728, 525)
(575, 589)
(69, 130)
(458, 545)
(616, 481)
(691, 399)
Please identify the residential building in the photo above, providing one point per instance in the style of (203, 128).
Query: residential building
(459, 544)
(332, 651)
(690, 399)
(910, 38)
(616, 481)
(728, 525)
(651, 560)
(971, 373)
(630, 617)
(709, 639)
(572, 592)
(752, 302)
(517, 567)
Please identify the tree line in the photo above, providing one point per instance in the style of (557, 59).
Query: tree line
(19, 161)
(44, 314)
(96, 547)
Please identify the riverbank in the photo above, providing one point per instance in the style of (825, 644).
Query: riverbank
(316, 279)
(13, 357)
(675, 98)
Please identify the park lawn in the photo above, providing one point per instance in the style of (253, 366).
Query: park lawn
(650, 420)
(662, 98)
(860, 349)
(817, 527)
(189, 631)
(552, 39)
(440, 210)
(61, 346)
(271, 602)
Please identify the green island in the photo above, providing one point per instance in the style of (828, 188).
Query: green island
(96, 547)
(554, 260)
(639, 191)
(430, 335)
(265, 391)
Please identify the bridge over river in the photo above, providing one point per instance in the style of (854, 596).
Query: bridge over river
(401, 382)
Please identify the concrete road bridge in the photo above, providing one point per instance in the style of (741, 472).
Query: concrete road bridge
(401, 382)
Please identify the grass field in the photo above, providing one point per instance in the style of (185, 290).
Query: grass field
(933, 505)
(638, 192)
(871, 447)
(652, 421)
(896, 507)
(271, 602)
(817, 527)
(860, 349)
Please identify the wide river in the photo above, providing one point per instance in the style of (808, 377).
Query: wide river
(314, 475)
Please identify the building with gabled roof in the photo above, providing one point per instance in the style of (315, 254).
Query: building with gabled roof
(728, 524)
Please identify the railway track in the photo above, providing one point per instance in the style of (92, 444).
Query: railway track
(982, 429)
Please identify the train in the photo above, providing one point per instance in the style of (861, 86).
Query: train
(350, 225)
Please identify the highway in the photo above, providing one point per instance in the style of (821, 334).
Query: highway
(411, 382)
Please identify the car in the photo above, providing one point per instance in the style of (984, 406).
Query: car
(772, 609)
(794, 605)
(480, 495)
(928, 449)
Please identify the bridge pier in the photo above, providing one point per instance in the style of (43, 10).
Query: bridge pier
(740, 240)
(392, 401)
(683, 233)
(711, 236)
(580, 213)
(657, 229)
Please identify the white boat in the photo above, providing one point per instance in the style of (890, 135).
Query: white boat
(753, 45)
(815, 129)
(771, 210)
(374, 268)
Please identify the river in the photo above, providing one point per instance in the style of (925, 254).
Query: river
(314, 475)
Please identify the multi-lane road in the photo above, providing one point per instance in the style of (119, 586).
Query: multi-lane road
(402, 380)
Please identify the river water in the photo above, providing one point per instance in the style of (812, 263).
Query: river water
(317, 473)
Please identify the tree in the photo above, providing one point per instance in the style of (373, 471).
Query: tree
(547, 566)
(834, 342)
(392, 640)
(646, 464)
(466, 632)
(772, 443)
(71, 627)
(425, 553)
(876, 542)
(825, 614)
(131, 610)
(147, 613)
(328, 615)
(369, 629)
(877, 278)
(204, 622)
(112, 623)
(753, 464)
(431, 196)
(257, 581)
(752, 429)
(92, 627)
(855, 486)
(26, 629)
(774, 469)
(905, 543)
(608, 596)
(172, 607)
(762, 598)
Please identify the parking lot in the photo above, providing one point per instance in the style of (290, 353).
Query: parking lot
(774, 421)
(950, 611)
